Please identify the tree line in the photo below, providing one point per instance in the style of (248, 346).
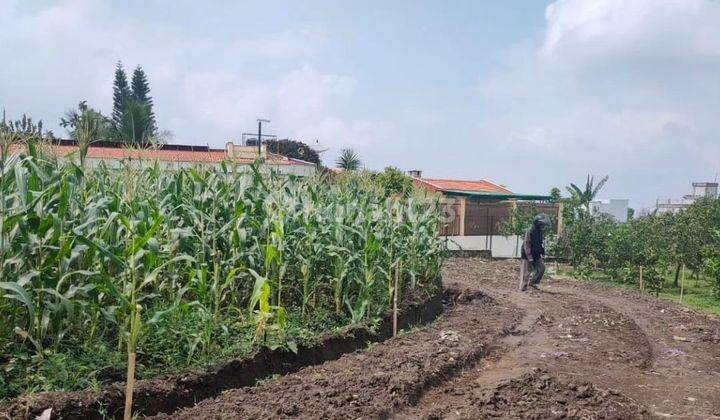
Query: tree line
(132, 120)
(659, 243)
(593, 242)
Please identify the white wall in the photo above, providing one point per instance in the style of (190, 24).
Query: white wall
(301, 170)
(498, 245)
(617, 208)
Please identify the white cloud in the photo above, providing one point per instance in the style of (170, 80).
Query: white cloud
(628, 88)
(591, 32)
(205, 89)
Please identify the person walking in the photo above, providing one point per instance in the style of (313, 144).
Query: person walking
(532, 266)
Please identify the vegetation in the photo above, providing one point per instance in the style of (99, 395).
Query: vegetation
(183, 268)
(16, 130)
(85, 126)
(519, 222)
(82, 116)
(582, 197)
(555, 195)
(348, 160)
(141, 93)
(659, 244)
(394, 182)
(293, 149)
(698, 292)
(133, 120)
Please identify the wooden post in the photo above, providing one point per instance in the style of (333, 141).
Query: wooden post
(132, 345)
(642, 286)
(462, 216)
(513, 211)
(129, 386)
(682, 283)
(560, 224)
(395, 299)
(522, 274)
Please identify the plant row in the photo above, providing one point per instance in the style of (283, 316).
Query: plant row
(659, 243)
(186, 263)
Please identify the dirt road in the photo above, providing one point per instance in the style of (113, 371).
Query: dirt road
(572, 350)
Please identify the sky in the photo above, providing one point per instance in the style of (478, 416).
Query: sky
(529, 94)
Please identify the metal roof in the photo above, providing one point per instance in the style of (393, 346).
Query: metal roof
(497, 196)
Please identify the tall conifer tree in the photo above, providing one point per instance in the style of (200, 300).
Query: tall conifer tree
(121, 95)
(141, 93)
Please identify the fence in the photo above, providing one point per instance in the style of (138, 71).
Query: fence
(468, 217)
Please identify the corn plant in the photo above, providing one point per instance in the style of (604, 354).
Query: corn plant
(123, 255)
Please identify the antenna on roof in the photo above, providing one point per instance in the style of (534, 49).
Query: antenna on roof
(319, 148)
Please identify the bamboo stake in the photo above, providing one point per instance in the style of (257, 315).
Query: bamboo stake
(132, 346)
(682, 283)
(395, 300)
(642, 286)
(129, 386)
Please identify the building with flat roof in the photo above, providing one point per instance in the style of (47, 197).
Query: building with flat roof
(700, 190)
(616, 208)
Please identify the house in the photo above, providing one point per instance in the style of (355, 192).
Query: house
(173, 156)
(616, 208)
(474, 211)
(700, 190)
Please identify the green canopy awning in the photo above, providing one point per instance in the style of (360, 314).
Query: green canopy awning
(496, 196)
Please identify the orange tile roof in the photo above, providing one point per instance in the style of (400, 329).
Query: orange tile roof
(189, 156)
(481, 186)
(210, 156)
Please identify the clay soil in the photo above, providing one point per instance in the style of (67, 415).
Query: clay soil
(571, 350)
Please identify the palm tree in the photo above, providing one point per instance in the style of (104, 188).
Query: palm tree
(584, 197)
(86, 125)
(348, 160)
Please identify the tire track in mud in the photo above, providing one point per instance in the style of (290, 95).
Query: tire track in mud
(448, 400)
(682, 376)
(547, 333)
(609, 353)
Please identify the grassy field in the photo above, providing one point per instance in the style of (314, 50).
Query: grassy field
(697, 293)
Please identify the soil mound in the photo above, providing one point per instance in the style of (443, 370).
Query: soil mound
(539, 395)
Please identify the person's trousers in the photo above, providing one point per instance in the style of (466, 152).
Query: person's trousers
(531, 272)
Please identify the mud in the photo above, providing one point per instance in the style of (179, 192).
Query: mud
(618, 343)
(375, 382)
(539, 395)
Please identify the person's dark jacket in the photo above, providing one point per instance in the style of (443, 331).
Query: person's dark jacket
(533, 243)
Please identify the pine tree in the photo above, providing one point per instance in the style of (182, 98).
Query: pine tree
(121, 94)
(140, 86)
(141, 93)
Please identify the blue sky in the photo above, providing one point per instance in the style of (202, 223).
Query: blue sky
(530, 94)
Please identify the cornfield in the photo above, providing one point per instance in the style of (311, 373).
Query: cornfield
(189, 261)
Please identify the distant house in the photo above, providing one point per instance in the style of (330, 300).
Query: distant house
(475, 210)
(173, 156)
(617, 208)
(700, 190)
